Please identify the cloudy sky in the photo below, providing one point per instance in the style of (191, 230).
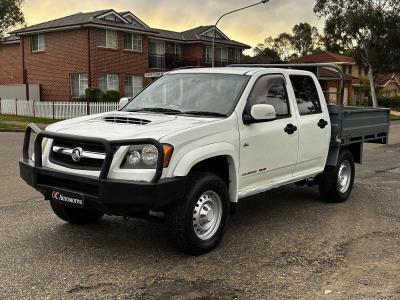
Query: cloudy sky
(250, 26)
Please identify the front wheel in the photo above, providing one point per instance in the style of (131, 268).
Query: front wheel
(197, 222)
(336, 183)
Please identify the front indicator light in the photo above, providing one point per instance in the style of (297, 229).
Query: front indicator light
(168, 149)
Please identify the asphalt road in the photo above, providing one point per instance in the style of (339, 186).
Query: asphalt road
(283, 244)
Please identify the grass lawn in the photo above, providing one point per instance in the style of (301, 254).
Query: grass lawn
(11, 127)
(26, 119)
(18, 123)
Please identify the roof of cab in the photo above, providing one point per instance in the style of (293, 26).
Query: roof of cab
(236, 70)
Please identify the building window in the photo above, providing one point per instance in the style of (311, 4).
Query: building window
(108, 82)
(37, 42)
(221, 54)
(107, 38)
(157, 54)
(133, 85)
(157, 47)
(177, 50)
(79, 84)
(133, 41)
(236, 55)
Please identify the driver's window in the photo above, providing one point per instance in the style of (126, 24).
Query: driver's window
(270, 89)
(306, 94)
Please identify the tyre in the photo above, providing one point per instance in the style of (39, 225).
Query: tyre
(75, 215)
(336, 183)
(197, 223)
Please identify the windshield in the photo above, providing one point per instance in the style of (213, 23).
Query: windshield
(197, 94)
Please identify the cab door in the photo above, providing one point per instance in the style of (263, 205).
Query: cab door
(313, 124)
(268, 149)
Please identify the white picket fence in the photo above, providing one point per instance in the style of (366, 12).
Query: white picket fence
(54, 109)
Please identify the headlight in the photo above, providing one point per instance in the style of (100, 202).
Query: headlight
(150, 155)
(140, 157)
(145, 157)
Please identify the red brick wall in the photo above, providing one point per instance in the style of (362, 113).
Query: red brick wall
(197, 52)
(65, 53)
(117, 61)
(193, 51)
(10, 64)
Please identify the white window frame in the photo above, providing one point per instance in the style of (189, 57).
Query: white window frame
(160, 46)
(236, 54)
(209, 53)
(41, 42)
(108, 43)
(225, 51)
(139, 42)
(83, 83)
(178, 49)
(111, 80)
(137, 85)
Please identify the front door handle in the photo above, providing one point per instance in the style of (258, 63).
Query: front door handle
(322, 123)
(290, 128)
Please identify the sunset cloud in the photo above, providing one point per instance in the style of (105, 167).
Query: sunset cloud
(250, 26)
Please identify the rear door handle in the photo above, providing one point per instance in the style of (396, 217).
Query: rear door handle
(290, 128)
(322, 123)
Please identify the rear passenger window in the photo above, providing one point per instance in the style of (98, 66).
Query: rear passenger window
(270, 89)
(306, 95)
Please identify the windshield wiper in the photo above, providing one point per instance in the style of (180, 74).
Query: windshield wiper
(204, 113)
(157, 109)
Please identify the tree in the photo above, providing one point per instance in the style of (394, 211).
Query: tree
(283, 45)
(265, 52)
(10, 15)
(371, 27)
(305, 38)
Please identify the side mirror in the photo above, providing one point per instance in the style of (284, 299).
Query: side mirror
(123, 102)
(263, 112)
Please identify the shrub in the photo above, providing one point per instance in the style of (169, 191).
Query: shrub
(111, 96)
(94, 95)
(78, 99)
(390, 102)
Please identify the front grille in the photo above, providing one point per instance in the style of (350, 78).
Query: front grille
(68, 184)
(126, 120)
(85, 163)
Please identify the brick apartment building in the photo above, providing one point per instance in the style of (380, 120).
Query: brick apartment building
(105, 49)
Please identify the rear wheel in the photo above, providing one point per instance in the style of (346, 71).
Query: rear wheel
(197, 222)
(75, 215)
(336, 183)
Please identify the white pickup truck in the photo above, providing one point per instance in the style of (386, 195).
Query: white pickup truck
(194, 143)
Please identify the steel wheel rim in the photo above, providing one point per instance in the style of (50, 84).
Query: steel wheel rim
(207, 215)
(344, 176)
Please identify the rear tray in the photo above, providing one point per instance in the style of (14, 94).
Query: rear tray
(359, 124)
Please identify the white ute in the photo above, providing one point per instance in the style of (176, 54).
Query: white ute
(194, 143)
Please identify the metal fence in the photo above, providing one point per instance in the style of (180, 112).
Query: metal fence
(54, 109)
